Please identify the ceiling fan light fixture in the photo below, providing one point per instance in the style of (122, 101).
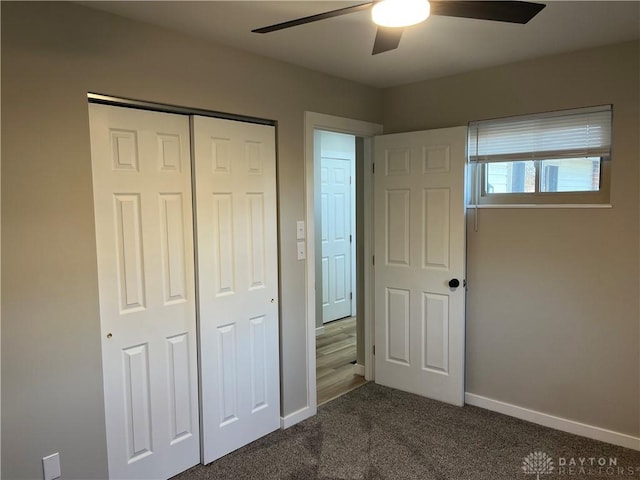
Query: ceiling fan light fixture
(400, 13)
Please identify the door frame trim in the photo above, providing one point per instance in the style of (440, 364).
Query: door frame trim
(318, 121)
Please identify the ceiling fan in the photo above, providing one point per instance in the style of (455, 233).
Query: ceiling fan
(392, 16)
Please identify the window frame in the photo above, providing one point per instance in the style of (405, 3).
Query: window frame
(479, 197)
(595, 197)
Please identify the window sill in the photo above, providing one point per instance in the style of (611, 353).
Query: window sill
(541, 205)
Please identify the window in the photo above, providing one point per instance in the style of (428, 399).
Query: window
(551, 158)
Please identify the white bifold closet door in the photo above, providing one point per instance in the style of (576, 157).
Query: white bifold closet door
(142, 200)
(142, 179)
(235, 182)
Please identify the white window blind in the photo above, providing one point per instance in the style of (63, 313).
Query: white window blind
(579, 133)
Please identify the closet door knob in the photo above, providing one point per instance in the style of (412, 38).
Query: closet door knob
(454, 283)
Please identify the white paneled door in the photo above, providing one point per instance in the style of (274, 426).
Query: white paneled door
(335, 201)
(419, 262)
(235, 182)
(142, 200)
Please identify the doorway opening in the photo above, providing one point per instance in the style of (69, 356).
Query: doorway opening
(363, 133)
(338, 328)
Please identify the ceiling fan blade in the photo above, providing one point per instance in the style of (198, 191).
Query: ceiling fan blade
(500, 11)
(386, 39)
(313, 18)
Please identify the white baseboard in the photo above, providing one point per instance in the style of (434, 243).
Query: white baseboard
(358, 369)
(297, 417)
(319, 330)
(551, 421)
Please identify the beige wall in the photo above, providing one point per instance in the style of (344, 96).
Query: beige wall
(553, 299)
(552, 305)
(52, 55)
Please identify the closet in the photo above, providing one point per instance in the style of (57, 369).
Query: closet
(186, 217)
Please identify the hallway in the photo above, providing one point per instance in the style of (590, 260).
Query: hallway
(335, 360)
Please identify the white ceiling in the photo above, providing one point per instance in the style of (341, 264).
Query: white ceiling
(341, 46)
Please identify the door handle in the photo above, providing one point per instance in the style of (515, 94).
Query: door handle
(454, 283)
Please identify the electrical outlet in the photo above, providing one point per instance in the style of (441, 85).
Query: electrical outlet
(302, 251)
(51, 466)
(300, 230)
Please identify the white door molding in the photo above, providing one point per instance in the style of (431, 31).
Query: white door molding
(318, 121)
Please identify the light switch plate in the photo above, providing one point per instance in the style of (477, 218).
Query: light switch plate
(300, 230)
(51, 466)
(302, 251)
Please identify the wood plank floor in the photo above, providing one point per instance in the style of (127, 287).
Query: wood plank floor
(335, 357)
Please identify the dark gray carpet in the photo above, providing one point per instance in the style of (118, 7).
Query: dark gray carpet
(376, 433)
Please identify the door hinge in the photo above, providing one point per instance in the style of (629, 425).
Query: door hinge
(374, 349)
(374, 259)
(350, 238)
(350, 295)
(349, 179)
(373, 168)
